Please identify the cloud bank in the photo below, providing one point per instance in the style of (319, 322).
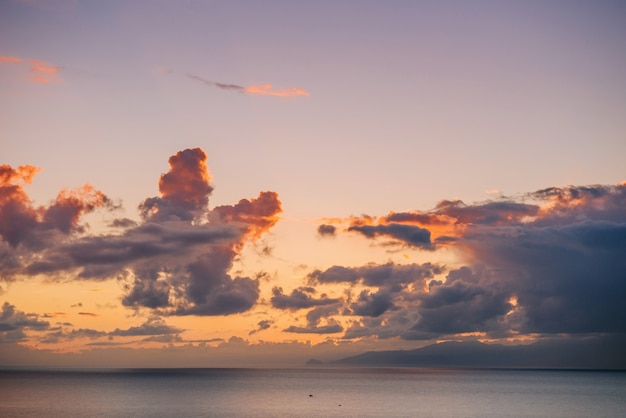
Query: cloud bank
(545, 264)
(175, 261)
(549, 262)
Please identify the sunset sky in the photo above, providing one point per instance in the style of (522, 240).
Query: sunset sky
(236, 183)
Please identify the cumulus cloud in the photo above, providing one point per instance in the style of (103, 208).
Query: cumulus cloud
(14, 323)
(176, 260)
(394, 284)
(23, 225)
(549, 262)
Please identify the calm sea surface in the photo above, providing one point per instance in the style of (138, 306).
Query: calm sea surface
(335, 392)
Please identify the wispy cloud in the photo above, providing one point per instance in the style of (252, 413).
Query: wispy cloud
(40, 72)
(265, 89)
(10, 60)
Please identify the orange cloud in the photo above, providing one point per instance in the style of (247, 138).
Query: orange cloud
(20, 221)
(70, 205)
(256, 89)
(11, 60)
(42, 72)
(43, 67)
(266, 90)
(258, 215)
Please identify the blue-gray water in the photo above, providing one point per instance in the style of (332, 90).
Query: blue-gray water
(335, 392)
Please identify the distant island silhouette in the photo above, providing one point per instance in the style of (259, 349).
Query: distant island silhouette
(604, 353)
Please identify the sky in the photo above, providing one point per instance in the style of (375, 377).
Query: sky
(242, 183)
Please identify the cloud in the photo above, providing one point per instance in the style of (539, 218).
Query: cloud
(256, 89)
(372, 304)
(549, 262)
(212, 291)
(153, 326)
(300, 298)
(409, 234)
(268, 90)
(10, 60)
(185, 189)
(389, 275)
(565, 279)
(41, 72)
(325, 230)
(262, 325)
(38, 227)
(60, 335)
(123, 223)
(255, 216)
(13, 323)
(176, 260)
(324, 329)
(396, 286)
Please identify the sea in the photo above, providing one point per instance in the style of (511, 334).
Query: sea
(311, 392)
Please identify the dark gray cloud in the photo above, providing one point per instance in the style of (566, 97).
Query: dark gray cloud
(372, 304)
(165, 338)
(554, 266)
(232, 296)
(262, 325)
(222, 86)
(14, 323)
(61, 335)
(459, 307)
(323, 329)
(123, 223)
(153, 326)
(325, 230)
(409, 234)
(300, 298)
(567, 279)
(490, 213)
(390, 275)
(320, 320)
